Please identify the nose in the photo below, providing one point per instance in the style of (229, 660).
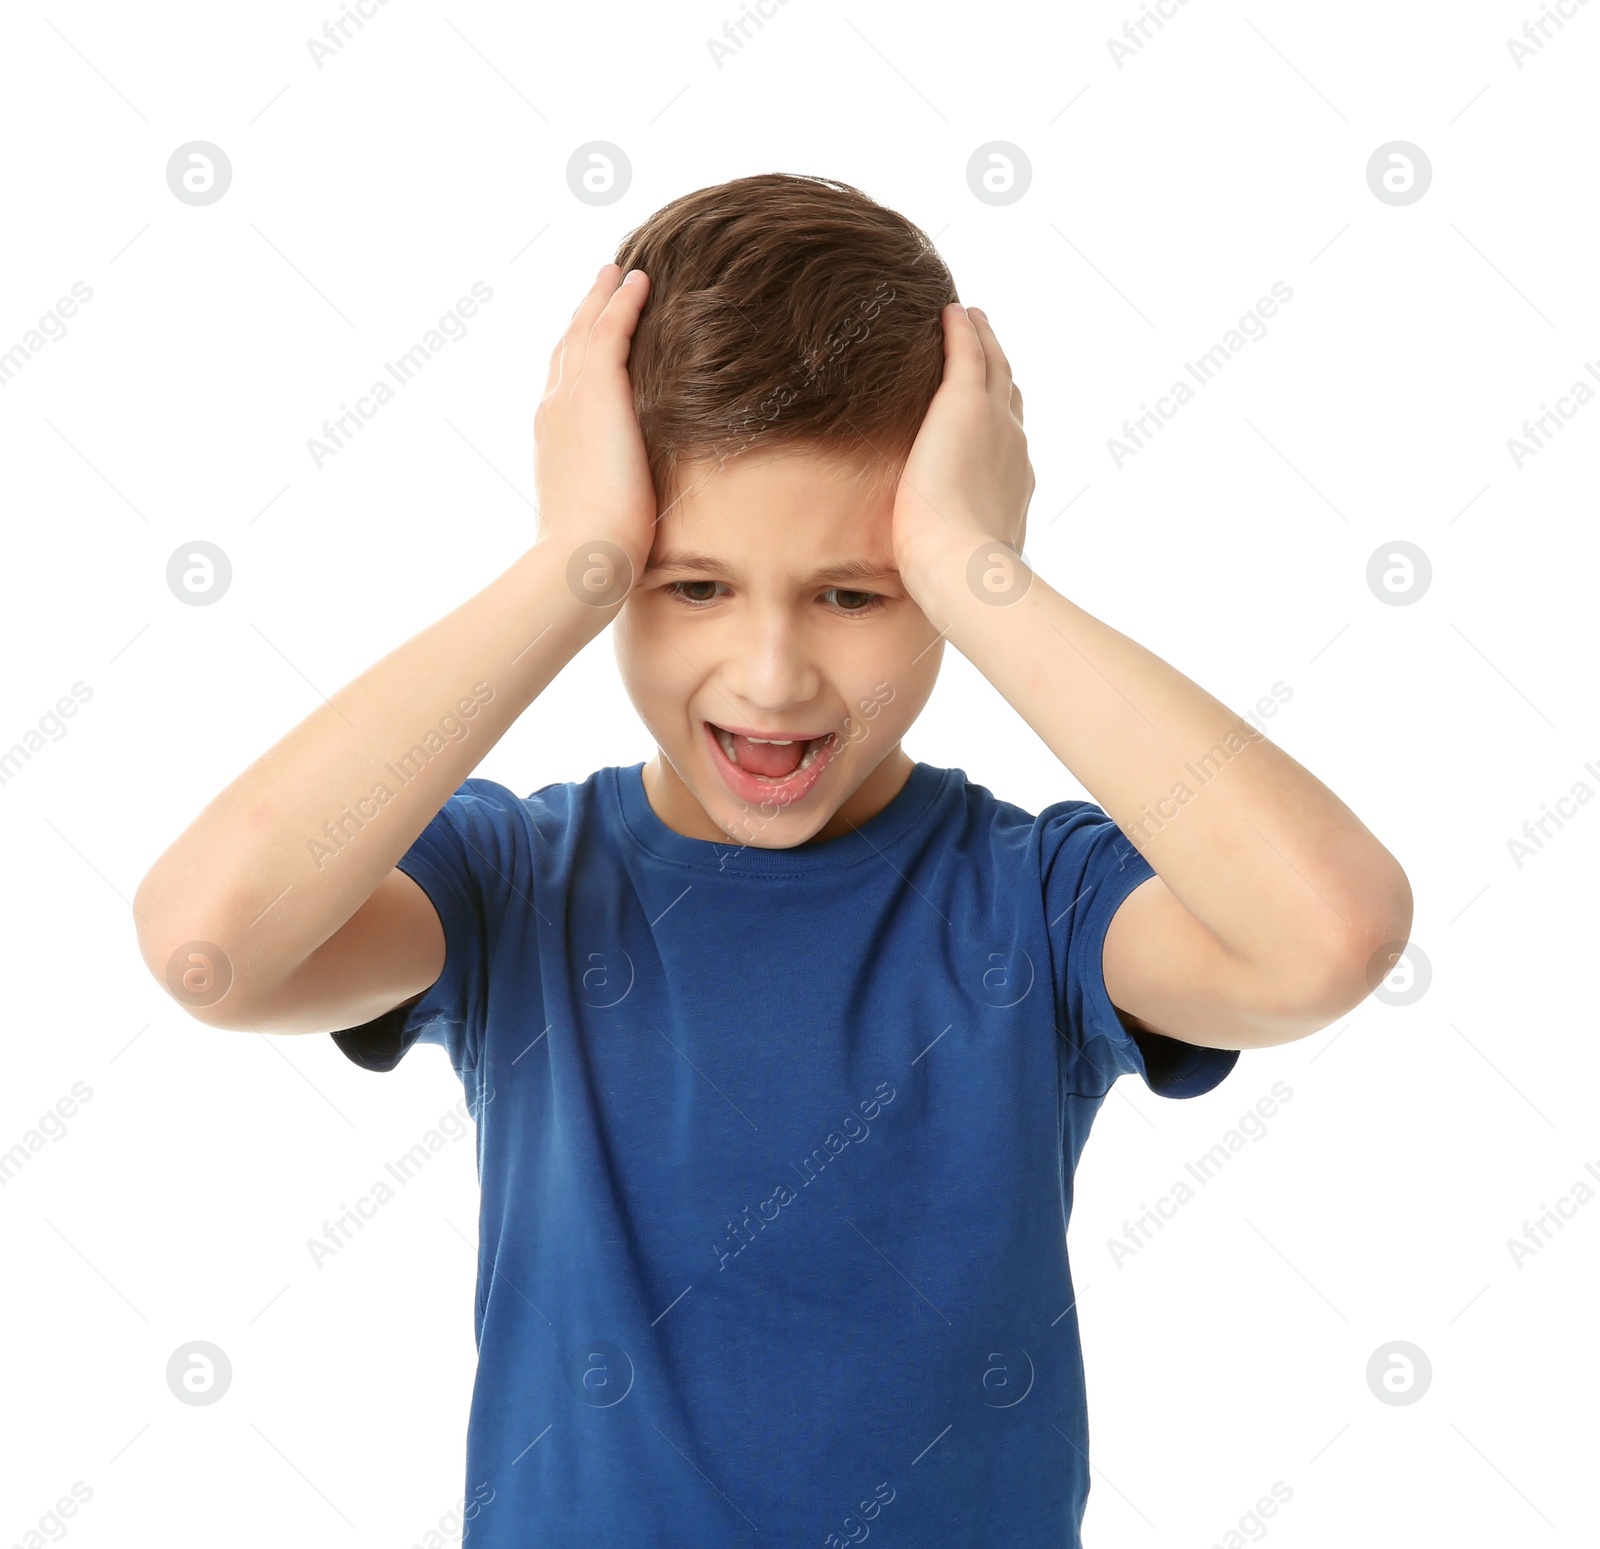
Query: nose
(769, 666)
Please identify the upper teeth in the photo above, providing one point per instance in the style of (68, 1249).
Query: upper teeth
(730, 745)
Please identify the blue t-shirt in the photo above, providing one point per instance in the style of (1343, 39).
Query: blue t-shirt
(775, 1152)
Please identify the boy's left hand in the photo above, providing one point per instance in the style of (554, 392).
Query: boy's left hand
(967, 478)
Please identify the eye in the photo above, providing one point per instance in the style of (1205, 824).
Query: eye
(854, 602)
(847, 600)
(677, 589)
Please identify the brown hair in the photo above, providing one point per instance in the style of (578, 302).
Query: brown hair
(785, 312)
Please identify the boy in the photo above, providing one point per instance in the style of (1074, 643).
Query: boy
(783, 1047)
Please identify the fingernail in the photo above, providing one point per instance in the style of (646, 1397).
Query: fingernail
(978, 312)
(631, 275)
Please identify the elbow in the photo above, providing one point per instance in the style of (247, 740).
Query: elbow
(197, 974)
(1373, 948)
(1334, 976)
(1385, 930)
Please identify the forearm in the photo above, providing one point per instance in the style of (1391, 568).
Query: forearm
(288, 852)
(1259, 851)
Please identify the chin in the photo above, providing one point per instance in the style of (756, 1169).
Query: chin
(764, 826)
(784, 832)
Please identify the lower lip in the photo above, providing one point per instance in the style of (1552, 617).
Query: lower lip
(753, 788)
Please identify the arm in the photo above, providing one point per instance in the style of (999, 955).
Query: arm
(291, 850)
(290, 871)
(1271, 897)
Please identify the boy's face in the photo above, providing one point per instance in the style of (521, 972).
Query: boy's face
(738, 629)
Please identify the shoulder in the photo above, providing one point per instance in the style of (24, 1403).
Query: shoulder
(549, 807)
(965, 802)
(1071, 849)
(485, 829)
(972, 815)
(1065, 824)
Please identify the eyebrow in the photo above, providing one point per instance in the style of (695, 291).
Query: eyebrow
(845, 570)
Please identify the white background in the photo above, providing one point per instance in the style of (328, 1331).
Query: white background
(1167, 196)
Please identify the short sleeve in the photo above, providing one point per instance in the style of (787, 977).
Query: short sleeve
(467, 860)
(1090, 866)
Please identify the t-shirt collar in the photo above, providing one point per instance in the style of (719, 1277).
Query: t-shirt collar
(876, 836)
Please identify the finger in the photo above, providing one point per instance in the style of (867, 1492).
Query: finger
(554, 374)
(595, 287)
(964, 364)
(612, 334)
(569, 350)
(999, 378)
(1016, 402)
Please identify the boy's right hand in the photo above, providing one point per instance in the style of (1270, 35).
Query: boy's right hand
(591, 470)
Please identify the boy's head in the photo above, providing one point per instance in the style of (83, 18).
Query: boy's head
(781, 368)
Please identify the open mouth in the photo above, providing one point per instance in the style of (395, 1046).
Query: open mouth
(768, 768)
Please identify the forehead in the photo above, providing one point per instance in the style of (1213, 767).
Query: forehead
(799, 505)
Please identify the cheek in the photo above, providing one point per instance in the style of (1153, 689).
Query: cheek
(631, 633)
(655, 664)
(891, 685)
